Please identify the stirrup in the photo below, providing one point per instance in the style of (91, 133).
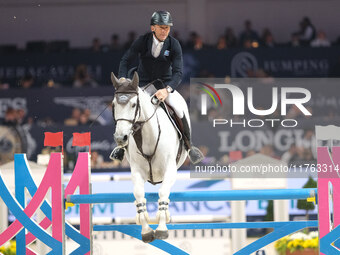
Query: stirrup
(117, 154)
(195, 155)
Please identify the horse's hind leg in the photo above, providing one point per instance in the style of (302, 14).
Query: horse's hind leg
(142, 217)
(163, 215)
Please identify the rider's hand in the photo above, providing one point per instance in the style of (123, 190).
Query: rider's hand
(162, 94)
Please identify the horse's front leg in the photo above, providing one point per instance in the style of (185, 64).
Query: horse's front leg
(142, 217)
(163, 214)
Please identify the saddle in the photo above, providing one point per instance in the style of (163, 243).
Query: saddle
(175, 120)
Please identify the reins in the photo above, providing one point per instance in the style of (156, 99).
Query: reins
(137, 128)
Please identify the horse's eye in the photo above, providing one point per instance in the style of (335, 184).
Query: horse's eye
(133, 105)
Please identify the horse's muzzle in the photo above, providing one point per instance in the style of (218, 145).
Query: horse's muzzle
(121, 140)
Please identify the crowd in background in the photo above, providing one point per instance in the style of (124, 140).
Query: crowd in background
(306, 36)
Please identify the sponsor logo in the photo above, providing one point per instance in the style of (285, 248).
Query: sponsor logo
(242, 63)
(281, 100)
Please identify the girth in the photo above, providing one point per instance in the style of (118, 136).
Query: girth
(137, 135)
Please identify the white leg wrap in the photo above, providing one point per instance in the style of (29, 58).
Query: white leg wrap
(163, 206)
(141, 209)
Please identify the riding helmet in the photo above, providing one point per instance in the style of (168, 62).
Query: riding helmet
(161, 18)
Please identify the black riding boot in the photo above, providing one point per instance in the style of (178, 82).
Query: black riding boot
(195, 155)
(117, 154)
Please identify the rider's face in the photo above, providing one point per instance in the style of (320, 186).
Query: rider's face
(161, 31)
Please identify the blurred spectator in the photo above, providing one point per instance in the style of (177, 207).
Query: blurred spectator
(294, 40)
(191, 42)
(52, 84)
(268, 151)
(307, 32)
(308, 155)
(175, 34)
(27, 81)
(221, 43)
(204, 73)
(115, 44)
(74, 119)
(131, 39)
(294, 112)
(248, 34)
(106, 117)
(213, 114)
(230, 38)
(84, 120)
(20, 116)
(87, 112)
(4, 86)
(308, 139)
(290, 155)
(15, 117)
(198, 43)
(250, 153)
(97, 160)
(45, 122)
(10, 117)
(82, 78)
(96, 45)
(321, 40)
(224, 160)
(259, 73)
(247, 44)
(267, 39)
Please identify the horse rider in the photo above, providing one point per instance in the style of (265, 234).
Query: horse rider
(160, 58)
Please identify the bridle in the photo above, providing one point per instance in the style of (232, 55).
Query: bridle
(136, 131)
(134, 120)
(136, 125)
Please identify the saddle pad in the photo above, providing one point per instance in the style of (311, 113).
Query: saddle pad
(175, 120)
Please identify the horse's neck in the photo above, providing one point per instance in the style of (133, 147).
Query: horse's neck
(147, 110)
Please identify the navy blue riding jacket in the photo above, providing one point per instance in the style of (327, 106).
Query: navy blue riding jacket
(167, 66)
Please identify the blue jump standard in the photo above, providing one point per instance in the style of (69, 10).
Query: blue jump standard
(223, 195)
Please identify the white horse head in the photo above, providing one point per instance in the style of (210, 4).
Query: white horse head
(125, 107)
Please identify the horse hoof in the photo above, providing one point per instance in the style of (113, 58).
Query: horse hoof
(162, 234)
(148, 237)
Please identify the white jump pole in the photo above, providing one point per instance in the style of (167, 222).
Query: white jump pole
(3, 216)
(239, 236)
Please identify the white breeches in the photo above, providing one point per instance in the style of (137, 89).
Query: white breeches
(175, 100)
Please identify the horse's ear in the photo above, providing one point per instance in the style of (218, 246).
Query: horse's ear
(135, 80)
(114, 80)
